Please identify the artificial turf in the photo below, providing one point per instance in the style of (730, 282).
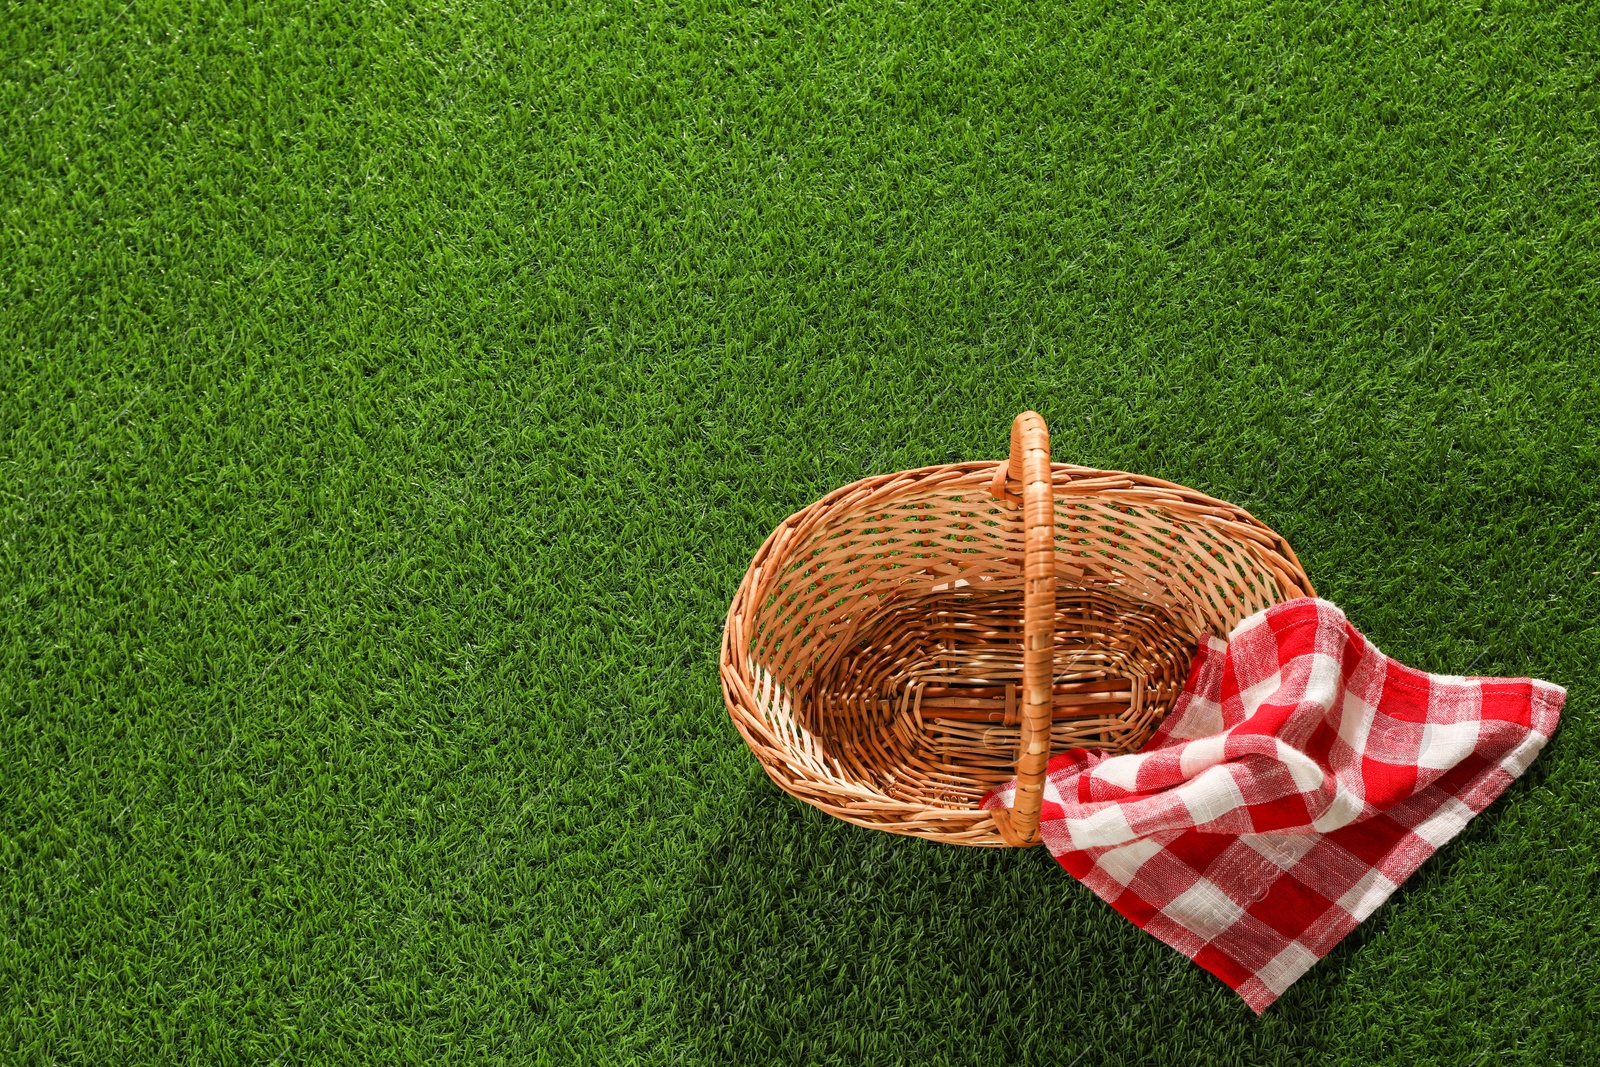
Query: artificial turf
(392, 395)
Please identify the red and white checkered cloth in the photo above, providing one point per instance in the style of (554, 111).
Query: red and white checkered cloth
(1301, 776)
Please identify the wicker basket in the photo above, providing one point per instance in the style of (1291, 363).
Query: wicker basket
(905, 644)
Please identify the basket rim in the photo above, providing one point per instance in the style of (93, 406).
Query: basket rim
(910, 817)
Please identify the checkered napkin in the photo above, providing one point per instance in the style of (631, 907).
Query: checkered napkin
(1301, 776)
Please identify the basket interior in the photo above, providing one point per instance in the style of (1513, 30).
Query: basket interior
(925, 701)
(887, 648)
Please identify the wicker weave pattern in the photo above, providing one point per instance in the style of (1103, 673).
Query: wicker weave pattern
(874, 654)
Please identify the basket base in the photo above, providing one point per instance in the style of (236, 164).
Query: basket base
(924, 702)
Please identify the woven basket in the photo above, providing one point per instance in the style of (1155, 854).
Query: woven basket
(907, 643)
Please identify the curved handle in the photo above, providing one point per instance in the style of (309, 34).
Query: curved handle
(1030, 465)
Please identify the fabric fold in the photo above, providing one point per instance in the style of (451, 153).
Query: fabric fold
(1299, 779)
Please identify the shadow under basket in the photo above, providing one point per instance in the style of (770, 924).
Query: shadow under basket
(909, 642)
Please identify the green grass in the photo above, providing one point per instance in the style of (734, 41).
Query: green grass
(392, 395)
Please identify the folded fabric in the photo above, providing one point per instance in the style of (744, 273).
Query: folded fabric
(1301, 776)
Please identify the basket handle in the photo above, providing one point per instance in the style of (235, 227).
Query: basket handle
(1030, 465)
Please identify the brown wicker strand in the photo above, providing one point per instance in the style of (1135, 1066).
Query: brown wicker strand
(1030, 461)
